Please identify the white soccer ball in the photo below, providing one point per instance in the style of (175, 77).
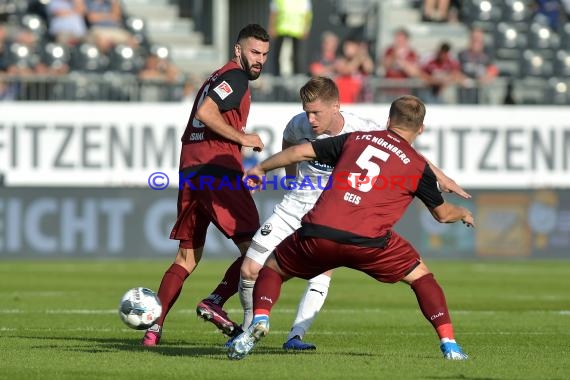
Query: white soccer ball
(139, 308)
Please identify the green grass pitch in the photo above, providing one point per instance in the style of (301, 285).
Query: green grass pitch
(59, 321)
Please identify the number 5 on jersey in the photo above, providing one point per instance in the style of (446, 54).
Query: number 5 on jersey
(365, 162)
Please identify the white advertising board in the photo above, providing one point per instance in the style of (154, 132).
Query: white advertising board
(122, 144)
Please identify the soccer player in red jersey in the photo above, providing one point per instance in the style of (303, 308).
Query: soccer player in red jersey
(211, 148)
(377, 174)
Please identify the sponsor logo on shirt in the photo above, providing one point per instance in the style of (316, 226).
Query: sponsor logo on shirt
(266, 229)
(320, 166)
(223, 90)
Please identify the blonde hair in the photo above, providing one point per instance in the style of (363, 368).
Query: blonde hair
(319, 88)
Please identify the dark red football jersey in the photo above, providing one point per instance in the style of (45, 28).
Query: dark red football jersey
(229, 88)
(376, 176)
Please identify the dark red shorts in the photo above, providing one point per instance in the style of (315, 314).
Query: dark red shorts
(231, 209)
(310, 256)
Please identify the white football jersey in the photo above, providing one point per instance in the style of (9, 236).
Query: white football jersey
(312, 176)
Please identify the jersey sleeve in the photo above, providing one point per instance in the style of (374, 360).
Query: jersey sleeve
(291, 131)
(329, 150)
(427, 190)
(229, 89)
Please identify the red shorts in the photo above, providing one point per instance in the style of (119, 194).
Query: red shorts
(310, 256)
(231, 209)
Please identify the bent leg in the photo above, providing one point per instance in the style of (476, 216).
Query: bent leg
(249, 272)
(275, 230)
(433, 305)
(210, 308)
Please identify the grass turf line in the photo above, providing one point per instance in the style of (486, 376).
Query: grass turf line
(58, 320)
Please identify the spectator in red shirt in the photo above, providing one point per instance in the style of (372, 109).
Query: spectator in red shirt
(400, 60)
(352, 68)
(440, 72)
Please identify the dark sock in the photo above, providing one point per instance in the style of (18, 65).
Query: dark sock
(229, 285)
(170, 288)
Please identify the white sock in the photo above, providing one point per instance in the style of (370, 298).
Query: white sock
(310, 305)
(245, 290)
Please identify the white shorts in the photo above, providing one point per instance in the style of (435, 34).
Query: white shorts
(272, 232)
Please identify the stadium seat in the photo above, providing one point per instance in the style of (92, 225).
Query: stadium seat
(86, 57)
(541, 37)
(482, 13)
(55, 55)
(565, 36)
(515, 11)
(508, 41)
(18, 55)
(125, 59)
(557, 92)
(35, 24)
(136, 26)
(562, 63)
(535, 64)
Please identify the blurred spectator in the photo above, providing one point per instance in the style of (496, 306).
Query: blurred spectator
(547, 12)
(3, 37)
(290, 19)
(476, 64)
(106, 30)
(189, 91)
(24, 54)
(27, 67)
(159, 69)
(440, 72)
(160, 78)
(400, 61)
(67, 21)
(352, 68)
(435, 10)
(324, 63)
(6, 90)
(566, 8)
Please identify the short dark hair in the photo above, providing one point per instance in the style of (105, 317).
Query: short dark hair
(319, 88)
(407, 112)
(253, 30)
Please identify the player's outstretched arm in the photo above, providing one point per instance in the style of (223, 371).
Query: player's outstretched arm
(450, 213)
(289, 156)
(447, 184)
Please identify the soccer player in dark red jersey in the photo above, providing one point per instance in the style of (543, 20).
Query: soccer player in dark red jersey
(211, 147)
(376, 176)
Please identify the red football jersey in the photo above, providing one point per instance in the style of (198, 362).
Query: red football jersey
(229, 88)
(376, 176)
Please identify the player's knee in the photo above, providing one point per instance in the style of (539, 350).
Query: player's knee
(249, 271)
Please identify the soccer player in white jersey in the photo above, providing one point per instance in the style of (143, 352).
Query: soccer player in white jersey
(322, 119)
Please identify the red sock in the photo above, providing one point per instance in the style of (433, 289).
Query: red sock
(229, 285)
(432, 303)
(170, 288)
(266, 291)
(445, 331)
